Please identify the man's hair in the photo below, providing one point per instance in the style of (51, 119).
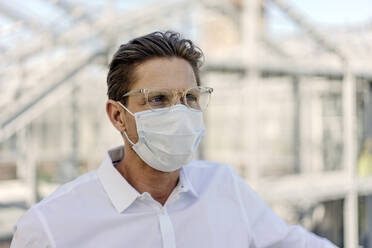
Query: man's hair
(167, 44)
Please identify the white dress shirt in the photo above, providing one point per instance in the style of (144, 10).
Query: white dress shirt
(211, 207)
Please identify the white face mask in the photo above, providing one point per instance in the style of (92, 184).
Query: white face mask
(168, 137)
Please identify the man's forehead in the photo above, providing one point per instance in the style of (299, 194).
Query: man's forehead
(172, 73)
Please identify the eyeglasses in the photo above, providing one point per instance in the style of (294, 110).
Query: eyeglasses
(196, 98)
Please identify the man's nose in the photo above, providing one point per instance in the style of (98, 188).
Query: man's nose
(178, 98)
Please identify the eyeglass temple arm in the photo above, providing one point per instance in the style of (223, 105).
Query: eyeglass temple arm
(134, 92)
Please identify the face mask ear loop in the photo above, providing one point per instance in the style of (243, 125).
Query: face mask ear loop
(125, 133)
(126, 136)
(125, 108)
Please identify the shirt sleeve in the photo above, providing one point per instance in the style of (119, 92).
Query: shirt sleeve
(29, 232)
(296, 236)
(268, 230)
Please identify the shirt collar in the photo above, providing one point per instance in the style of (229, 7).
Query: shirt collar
(120, 192)
(185, 184)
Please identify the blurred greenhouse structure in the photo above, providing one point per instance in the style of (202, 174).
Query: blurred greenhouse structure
(292, 115)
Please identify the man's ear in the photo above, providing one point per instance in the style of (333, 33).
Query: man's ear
(113, 110)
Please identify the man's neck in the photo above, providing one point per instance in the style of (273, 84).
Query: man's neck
(146, 179)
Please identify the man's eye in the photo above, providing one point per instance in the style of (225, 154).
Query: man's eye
(191, 98)
(158, 99)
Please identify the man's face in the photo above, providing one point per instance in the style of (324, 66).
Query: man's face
(168, 73)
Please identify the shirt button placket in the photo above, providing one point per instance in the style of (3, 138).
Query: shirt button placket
(166, 229)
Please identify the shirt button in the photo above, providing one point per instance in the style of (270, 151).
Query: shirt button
(162, 211)
(177, 196)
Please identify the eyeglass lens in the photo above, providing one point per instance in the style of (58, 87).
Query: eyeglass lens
(195, 98)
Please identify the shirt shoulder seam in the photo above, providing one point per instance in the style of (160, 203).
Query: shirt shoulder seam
(53, 197)
(45, 226)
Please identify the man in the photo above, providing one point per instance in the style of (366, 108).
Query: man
(149, 192)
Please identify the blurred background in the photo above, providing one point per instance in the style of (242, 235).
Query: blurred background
(291, 110)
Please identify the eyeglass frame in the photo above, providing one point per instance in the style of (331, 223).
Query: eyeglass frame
(175, 92)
